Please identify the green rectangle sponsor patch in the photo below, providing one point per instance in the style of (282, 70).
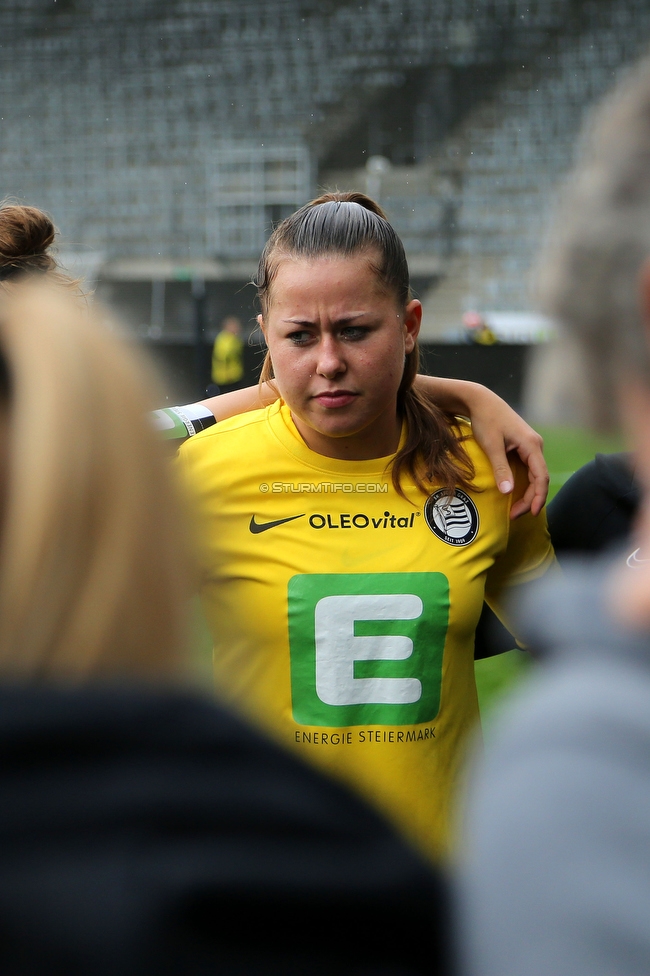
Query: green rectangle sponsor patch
(366, 649)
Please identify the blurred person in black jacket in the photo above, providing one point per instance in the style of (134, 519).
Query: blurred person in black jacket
(143, 829)
(593, 511)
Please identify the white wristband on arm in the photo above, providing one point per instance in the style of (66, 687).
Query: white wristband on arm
(177, 423)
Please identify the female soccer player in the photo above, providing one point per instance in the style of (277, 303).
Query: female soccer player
(350, 530)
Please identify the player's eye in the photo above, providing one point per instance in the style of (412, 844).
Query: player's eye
(354, 332)
(300, 337)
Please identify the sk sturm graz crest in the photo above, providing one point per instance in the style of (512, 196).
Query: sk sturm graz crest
(452, 518)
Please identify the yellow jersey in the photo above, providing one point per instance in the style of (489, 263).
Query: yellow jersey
(343, 614)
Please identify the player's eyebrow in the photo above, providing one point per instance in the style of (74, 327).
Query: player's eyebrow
(342, 320)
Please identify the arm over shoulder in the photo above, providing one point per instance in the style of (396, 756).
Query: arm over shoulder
(528, 555)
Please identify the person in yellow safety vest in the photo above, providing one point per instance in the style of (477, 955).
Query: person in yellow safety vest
(228, 355)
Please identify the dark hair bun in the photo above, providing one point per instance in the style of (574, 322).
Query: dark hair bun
(25, 235)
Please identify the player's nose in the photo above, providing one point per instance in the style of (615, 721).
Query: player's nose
(331, 361)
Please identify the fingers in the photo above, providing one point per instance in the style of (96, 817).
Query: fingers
(525, 503)
(539, 478)
(495, 451)
(535, 495)
(498, 431)
(531, 454)
(503, 474)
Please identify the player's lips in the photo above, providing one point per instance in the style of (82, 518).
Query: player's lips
(335, 398)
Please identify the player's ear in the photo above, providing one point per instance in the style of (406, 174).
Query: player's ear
(412, 322)
(260, 322)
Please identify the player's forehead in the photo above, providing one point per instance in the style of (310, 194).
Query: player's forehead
(340, 283)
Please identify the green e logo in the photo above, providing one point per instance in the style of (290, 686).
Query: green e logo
(367, 649)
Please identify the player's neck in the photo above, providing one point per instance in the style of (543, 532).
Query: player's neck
(376, 441)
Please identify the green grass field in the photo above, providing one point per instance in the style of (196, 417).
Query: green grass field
(566, 450)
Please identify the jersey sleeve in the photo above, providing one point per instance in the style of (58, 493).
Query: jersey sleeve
(179, 423)
(528, 555)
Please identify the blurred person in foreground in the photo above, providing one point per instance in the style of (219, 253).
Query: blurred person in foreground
(556, 871)
(143, 830)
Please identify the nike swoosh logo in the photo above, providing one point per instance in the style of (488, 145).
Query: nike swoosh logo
(256, 528)
(634, 561)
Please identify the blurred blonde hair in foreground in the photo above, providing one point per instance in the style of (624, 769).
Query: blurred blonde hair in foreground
(94, 575)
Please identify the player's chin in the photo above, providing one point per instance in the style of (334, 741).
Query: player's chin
(339, 430)
(342, 418)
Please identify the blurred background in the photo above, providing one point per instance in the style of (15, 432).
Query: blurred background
(167, 136)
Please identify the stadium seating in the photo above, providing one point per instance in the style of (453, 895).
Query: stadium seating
(177, 131)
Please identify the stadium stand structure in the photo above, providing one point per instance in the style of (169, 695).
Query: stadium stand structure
(166, 136)
(511, 153)
(116, 116)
